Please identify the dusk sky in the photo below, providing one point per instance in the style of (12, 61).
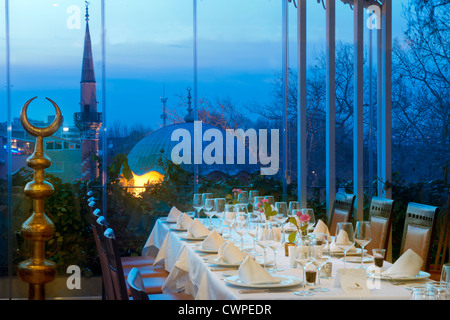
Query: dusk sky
(149, 44)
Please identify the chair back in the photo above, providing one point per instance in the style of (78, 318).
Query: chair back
(115, 266)
(418, 231)
(342, 210)
(443, 242)
(380, 217)
(136, 285)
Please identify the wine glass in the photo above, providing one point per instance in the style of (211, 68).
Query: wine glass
(264, 238)
(312, 217)
(251, 196)
(241, 222)
(256, 200)
(278, 243)
(219, 209)
(293, 205)
(253, 220)
(305, 256)
(243, 197)
(271, 199)
(198, 203)
(344, 238)
(445, 280)
(322, 256)
(363, 236)
(282, 211)
(229, 216)
(209, 210)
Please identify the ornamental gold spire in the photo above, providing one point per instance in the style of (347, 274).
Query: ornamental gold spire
(37, 271)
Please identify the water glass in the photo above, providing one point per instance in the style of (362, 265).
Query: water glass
(209, 210)
(305, 256)
(265, 237)
(282, 211)
(229, 216)
(344, 238)
(198, 202)
(363, 236)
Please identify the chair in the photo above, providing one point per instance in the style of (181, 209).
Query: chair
(342, 210)
(418, 231)
(443, 244)
(380, 217)
(137, 289)
(152, 284)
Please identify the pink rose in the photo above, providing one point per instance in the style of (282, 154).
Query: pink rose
(234, 190)
(265, 200)
(239, 190)
(259, 204)
(304, 218)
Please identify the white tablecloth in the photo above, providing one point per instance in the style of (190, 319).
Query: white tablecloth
(190, 272)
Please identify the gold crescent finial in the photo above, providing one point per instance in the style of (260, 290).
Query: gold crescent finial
(37, 131)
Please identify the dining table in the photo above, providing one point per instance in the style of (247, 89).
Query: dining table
(196, 272)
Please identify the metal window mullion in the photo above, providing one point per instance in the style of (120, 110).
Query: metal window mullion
(285, 76)
(358, 172)
(301, 104)
(331, 105)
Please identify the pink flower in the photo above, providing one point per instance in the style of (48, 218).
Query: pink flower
(304, 217)
(234, 190)
(238, 190)
(265, 200)
(259, 204)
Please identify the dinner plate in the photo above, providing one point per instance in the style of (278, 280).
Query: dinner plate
(215, 262)
(164, 220)
(200, 249)
(356, 259)
(190, 238)
(177, 229)
(285, 281)
(419, 276)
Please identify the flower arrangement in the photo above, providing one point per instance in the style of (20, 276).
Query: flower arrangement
(301, 223)
(235, 196)
(265, 207)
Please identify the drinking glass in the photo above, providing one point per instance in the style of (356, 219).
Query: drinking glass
(322, 256)
(241, 225)
(344, 238)
(312, 217)
(209, 210)
(363, 236)
(264, 237)
(293, 205)
(253, 221)
(271, 199)
(445, 279)
(243, 198)
(256, 200)
(229, 216)
(219, 209)
(278, 243)
(198, 203)
(251, 196)
(378, 257)
(282, 211)
(305, 256)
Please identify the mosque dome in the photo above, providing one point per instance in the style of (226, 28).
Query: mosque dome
(144, 156)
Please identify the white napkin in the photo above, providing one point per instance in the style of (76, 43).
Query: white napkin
(174, 214)
(197, 230)
(321, 227)
(184, 221)
(342, 238)
(408, 265)
(229, 253)
(250, 272)
(213, 241)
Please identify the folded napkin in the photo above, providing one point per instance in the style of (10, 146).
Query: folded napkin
(251, 272)
(408, 265)
(321, 227)
(174, 214)
(197, 230)
(184, 221)
(229, 253)
(342, 239)
(213, 241)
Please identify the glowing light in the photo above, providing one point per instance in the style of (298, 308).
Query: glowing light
(137, 181)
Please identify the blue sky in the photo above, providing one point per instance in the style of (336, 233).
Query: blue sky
(149, 44)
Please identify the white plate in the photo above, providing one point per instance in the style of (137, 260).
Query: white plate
(200, 249)
(356, 259)
(164, 220)
(220, 264)
(177, 229)
(350, 253)
(185, 237)
(419, 276)
(286, 281)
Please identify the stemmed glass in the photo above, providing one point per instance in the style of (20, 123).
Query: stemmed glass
(322, 256)
(198, 203)
(293, 206)
(251, 196)
(344, 238)
(243, 198)
(312, 218)
(219, 209)
(209, 210)
(264, 237)
(229, 216)
(241, 222)
(278, 243)
(363, 236)
(305, 256)
(445, 280)
(271, 199)
(282, 211)
(256, 200)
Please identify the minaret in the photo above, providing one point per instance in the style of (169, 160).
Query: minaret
(164, 113)
(88, 120)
